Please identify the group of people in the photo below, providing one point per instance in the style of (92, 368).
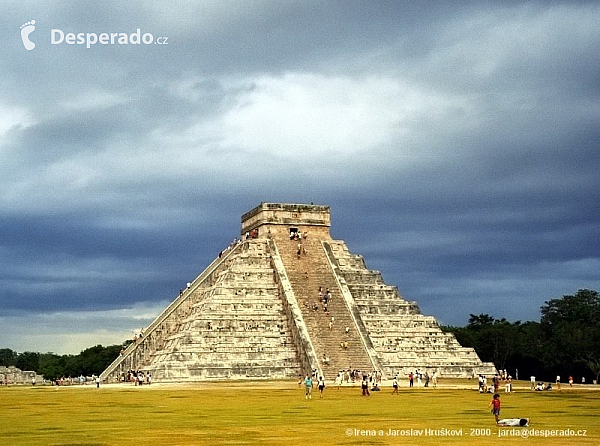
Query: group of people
(483, 384)
(422, 378)
(297, 235)
(232, 245)
(539, 386)
(324, 299)
(309, 383)
(70, 381)
(368, 381)
(138, 377)
(352, 376)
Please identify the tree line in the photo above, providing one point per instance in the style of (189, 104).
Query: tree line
(91, 361)
(565, 342)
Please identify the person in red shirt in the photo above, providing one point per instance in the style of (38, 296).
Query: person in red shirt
(495, 405)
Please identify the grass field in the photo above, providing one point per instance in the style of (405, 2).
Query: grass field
(277, 413)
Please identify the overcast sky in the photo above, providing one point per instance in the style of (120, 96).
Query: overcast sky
(457, 144)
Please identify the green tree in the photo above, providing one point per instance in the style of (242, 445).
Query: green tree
(494, 340)
(594, 365)
(583, 307)
(28, 361)
(572, 328)
(483, 320)
(7, 357)
(529, 345)
(52, 366)
(93, 360)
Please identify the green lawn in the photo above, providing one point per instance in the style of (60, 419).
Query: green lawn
(278, 414)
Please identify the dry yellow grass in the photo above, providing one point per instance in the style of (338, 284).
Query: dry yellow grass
(277, 413)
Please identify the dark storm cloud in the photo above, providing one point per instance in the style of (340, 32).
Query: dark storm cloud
(65, 264)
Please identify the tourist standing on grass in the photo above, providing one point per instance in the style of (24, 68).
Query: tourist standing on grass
(308, 384)
(495, 405)
(321, 386)
(365, 386)
(410, 379)
(395, 386)
(508, 387)
(496, 382)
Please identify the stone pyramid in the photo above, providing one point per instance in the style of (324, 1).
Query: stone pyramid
(258, 311)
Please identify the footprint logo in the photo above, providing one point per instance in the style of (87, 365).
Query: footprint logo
(27, 29)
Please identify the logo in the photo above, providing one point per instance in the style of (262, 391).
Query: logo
(27, 29)
(89, 39)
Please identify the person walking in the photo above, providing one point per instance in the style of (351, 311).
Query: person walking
(308, 384)
(365, 386)
(495, 405)
(321, 386)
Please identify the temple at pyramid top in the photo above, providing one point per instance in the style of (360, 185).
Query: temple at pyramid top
(286, 300)
(280, 218)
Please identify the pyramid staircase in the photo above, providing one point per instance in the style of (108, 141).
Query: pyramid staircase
(308, 272)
